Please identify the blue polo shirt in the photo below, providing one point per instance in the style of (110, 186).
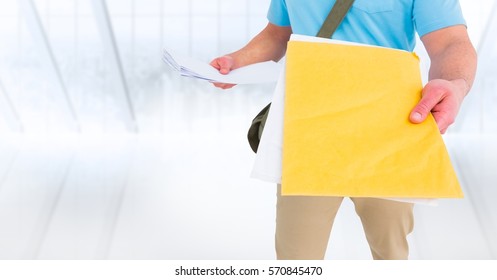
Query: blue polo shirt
(387, 23)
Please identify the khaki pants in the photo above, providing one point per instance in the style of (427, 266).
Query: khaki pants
(303, 226)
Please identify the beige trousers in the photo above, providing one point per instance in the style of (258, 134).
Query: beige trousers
(303, 226)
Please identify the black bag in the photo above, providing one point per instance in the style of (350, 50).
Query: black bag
(335, 17)
(256, 128)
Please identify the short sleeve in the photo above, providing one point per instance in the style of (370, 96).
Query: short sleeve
(278, 13)
(429, 15)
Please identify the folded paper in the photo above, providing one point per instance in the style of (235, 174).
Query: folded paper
(347, 130)
(263, 72)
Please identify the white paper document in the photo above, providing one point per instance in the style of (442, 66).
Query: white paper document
(264, 72)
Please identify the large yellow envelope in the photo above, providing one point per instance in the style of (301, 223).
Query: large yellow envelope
(347, 130)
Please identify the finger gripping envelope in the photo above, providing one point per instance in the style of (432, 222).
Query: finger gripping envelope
(346, 128)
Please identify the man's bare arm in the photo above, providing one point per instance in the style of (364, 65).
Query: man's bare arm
(269, 44)
(452, 72)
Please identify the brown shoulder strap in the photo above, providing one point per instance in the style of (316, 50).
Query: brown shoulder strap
(335, 17)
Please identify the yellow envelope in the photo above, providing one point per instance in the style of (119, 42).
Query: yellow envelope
(347, 130)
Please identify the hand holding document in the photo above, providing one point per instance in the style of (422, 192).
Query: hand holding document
(264, 72)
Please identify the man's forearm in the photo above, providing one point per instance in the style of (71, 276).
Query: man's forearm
(269, 44)
(456, 63)
(453, 57)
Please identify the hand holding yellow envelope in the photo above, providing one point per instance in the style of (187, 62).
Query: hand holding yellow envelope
(347, 130)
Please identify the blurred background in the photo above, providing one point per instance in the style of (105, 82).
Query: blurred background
(105, 153)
